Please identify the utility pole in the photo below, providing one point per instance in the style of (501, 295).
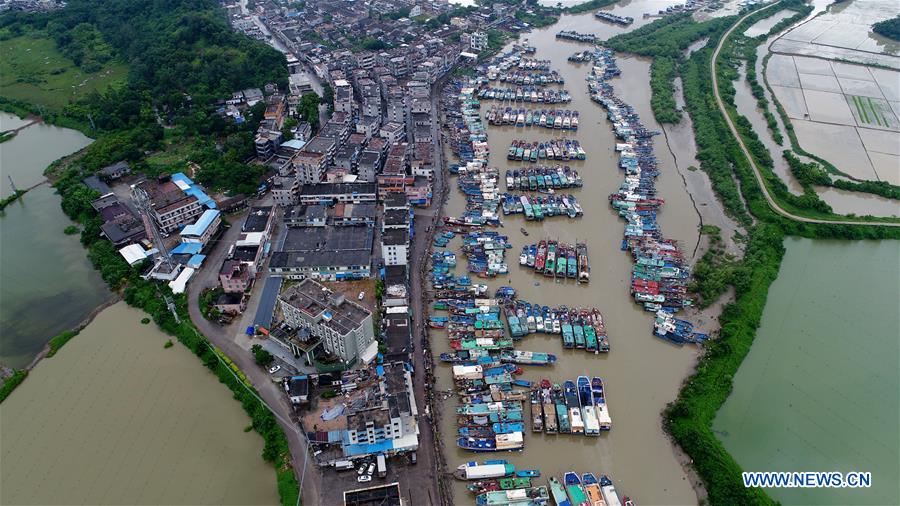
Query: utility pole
(12, 184)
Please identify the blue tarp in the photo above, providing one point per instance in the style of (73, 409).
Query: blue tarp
(365, 449)
(199, 228)
(194, 190)
(187, 248)
(196, 261)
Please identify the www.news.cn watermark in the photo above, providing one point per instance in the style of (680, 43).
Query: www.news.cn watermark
(807, 479)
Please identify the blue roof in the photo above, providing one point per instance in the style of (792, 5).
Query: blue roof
(187, 248)
(206, 219)
(294, 144)
(364, 449)
(194, 190)
(196, 261)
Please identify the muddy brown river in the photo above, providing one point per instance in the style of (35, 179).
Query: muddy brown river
(642, 373)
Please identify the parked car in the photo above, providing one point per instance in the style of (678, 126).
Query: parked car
(274, 369)
(363, 478)
(371, 469)
(361, 295)
(361, 470)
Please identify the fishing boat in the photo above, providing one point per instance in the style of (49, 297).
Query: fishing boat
(480, 487)
(588, 411)
(574, 408)
(592, 490)
(528, 473)
(558, 492)
(524, 357)
(524, 232)
(609, 492)
(548, 407)
(562, 413)
(584, 269)
(574, 490)
(520, 496)
(537, 414)
(599, 397)
(487, 469)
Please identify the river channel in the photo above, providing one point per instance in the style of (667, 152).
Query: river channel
(642, 373)
(116, 418)
(42, 271)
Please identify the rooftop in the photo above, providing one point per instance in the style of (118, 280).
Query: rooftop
(327, 189)
(257, 219)
(394, 200)
(329, 239)
(395, 237)
(314, 299)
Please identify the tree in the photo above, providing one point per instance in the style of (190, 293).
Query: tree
(308, 109)
(261, 356)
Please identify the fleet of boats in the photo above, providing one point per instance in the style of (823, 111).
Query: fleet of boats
(557, 260)
(547, 118)
(543, 179)
(576, 36)
(527, 78)
(660, 273)
(538, 208)
(533, 94)
(554, 149)
(614, 18)
(496, 482)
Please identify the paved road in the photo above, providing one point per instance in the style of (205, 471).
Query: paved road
(270, 392)
(759, 178)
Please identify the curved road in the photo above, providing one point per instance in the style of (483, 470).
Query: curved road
(759, 179)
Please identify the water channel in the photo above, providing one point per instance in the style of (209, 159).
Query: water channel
(42, 271)
(116, 418)
(642, 373)
(819, 389)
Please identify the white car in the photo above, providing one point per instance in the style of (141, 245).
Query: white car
(364, 478)
(274, 369)
(361, 295)
(371, 469)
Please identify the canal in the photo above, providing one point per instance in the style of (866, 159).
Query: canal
(42, 270)
(116, 418)
(642, 373)
(819, 389)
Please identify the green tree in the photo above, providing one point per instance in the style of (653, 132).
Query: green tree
(261, 356)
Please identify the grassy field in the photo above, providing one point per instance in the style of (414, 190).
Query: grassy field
(34, 71)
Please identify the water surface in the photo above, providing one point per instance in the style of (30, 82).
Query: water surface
(820, 388)
(115, 418)
(47, 284)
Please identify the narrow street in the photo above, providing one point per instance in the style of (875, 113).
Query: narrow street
(269, 391)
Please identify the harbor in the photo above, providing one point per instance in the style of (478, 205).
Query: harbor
(636, 446)
(551, 119)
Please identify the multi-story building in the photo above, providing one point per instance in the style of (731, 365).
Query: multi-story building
(343, 96)
(344, 326)
(395, 247)
(478, 41)
(311, 161)
(174, 201)
(391, 416)
(327, 193)
(285, 190)
(368, 166)
(234, 276)
(203, 230)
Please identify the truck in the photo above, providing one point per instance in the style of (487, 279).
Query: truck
(382, 465)
(343, 465)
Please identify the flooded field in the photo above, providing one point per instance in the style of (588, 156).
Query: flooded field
(42, 270)
(115, 418)
(819, 389)
(844, 32)
(642, 373)
(841, 201)
(764, 25)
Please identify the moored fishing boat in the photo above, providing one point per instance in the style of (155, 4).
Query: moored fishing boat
(584, 269)
(558, 492)
(599, 398)
(609, 492)
(518, 497)
(588, 411)
(573, 407)
(485, 470)
(592, 490)
(537, 414)
(574, 490)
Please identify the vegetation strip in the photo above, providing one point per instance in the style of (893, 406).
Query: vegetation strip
(689, 418)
